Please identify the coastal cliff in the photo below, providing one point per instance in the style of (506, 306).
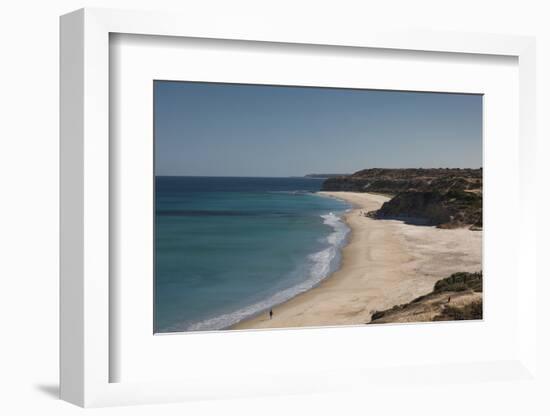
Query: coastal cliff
(447, 198)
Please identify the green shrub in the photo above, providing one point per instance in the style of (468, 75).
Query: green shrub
(469, 311)
(459, 282)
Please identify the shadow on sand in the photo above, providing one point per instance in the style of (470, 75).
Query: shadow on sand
(407, 220)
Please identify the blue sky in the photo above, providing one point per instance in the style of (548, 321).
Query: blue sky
(211, 129)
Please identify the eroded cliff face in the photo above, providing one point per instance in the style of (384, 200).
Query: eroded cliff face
(447, 198)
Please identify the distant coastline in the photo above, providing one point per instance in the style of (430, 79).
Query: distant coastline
(325, 175)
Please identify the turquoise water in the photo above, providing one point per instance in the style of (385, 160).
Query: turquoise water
(229, 248)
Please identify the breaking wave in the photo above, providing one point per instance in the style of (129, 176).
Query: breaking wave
(320, 265)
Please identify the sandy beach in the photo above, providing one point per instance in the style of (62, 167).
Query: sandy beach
(385, 263)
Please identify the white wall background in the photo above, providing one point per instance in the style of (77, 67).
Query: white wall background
(29, 204)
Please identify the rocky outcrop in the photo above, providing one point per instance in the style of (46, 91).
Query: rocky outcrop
(447, 198)
(451, 209)
(457, 297)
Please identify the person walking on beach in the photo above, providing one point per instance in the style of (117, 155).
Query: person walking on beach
(271, 314)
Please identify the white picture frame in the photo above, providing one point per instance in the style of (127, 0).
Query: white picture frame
(86, 355)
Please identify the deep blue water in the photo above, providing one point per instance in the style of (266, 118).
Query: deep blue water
(229, 248)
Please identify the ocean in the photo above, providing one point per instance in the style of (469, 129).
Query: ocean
(228, 248)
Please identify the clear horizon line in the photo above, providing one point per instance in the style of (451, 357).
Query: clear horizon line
(299, 176)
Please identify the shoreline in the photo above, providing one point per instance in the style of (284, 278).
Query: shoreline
(384, 263)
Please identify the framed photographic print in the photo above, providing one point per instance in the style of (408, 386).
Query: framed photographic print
(265, 211)
(248, 236)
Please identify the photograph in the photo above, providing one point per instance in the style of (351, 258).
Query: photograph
(280, 206)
